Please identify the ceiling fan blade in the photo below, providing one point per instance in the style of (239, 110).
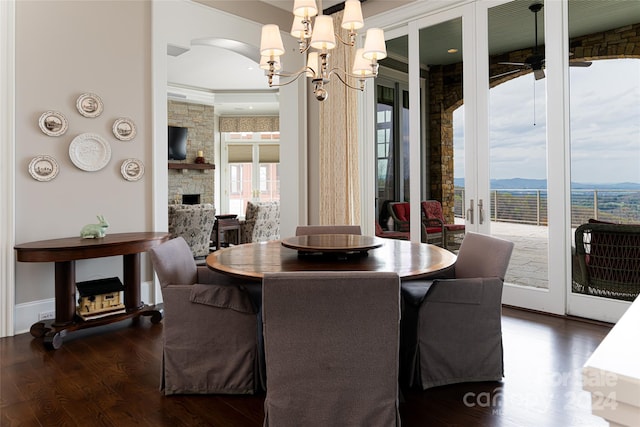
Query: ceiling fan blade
(580, 64)
(506, 74)
(538, 74)
(517, 64)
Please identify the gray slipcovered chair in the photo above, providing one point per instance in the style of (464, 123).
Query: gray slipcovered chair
(261, 222)
(210, 326)
(331, 362)
(194, 223)
(305, 230)
(451, 325)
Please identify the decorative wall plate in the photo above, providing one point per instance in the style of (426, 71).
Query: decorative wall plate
(89, 105)
(53, 123)
(132, 169)
(124, 129)
(43, 168)
(89, 152)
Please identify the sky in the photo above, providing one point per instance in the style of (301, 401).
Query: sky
(605, 125)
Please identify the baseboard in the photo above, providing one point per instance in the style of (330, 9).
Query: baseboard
(26, 314)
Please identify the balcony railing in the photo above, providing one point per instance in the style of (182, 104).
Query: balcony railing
(530, 206)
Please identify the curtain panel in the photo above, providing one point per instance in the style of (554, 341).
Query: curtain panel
(339, 172)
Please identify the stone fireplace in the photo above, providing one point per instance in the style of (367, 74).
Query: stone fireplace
(193, 186)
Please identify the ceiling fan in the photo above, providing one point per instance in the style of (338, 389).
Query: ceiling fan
(535, 62)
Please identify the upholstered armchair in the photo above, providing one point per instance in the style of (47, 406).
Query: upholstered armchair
(261, 222)
(451, 324)
(210, 339)
(194, 223)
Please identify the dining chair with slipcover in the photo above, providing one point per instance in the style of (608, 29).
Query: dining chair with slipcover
(451, 324)
(331, 362)
(304, 230)
(261, 222)
(210, 336)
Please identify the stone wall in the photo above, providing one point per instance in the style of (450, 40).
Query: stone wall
(445, 96)
(200, 122)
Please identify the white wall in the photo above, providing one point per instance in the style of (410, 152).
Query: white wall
(64, 49)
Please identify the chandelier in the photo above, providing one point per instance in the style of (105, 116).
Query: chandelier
(317, 39)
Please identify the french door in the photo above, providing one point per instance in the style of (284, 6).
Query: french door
(604, 142)
(495, 128)
(478, 123)
(520, 176)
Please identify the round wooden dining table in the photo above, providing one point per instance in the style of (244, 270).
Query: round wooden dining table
(409, 260)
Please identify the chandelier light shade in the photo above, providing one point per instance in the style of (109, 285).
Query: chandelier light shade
(305, 8)
(271, 42)
(352, 18)
(312, 65)
(374, 45)
(298, 29)
(361, 65)
(316, 39)
(323, 37)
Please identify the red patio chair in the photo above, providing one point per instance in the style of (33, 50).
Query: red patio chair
(433, 216)
(431, 233)
(400, 235)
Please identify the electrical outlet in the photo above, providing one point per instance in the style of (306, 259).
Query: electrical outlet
(47, 315)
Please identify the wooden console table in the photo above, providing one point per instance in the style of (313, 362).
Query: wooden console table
(64, 253)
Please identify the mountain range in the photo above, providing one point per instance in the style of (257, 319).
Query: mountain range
(541, 184)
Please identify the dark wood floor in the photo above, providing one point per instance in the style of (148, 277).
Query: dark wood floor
(110, 377)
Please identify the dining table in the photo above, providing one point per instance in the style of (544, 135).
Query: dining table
(331, 252)
(327, 252)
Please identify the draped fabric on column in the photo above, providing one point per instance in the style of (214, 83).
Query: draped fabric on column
(339, 173)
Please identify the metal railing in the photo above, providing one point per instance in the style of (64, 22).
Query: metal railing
(527, 206)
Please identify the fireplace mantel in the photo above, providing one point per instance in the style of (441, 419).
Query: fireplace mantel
(196, 166)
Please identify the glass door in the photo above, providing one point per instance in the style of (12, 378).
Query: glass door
(442, 63)
(422, 99)
(516, 208)
(604, 149)
(392, 143)
(523, 186)
(251, 165)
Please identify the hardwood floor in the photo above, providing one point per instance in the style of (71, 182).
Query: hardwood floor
(110, 376)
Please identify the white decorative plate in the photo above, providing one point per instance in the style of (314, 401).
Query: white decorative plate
(53, 123)
(89, 105)
(89, 152)
(43, 168)
(132, 169)
(124, 129)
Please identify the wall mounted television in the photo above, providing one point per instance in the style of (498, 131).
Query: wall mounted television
(177, 143)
